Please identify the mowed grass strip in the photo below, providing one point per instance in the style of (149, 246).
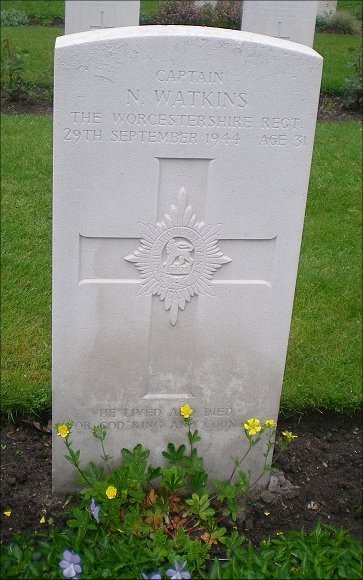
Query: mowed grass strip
(324, 358)
(49, 9)
(355, 7)
(338, 51)
(26, 261)
(39, 41)
(323, 366)
(43, 9)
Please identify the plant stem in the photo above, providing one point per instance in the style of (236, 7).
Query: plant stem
(76, 465)
(239, 462)
(105, 457)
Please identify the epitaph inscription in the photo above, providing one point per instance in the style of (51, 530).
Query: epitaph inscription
(178, 257)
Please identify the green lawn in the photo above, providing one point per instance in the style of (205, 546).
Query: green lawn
(324, 357)
(355, 7)
(26, 266)
(323, 366)
(47, 10)
(39, 41)
(42, 9)
(338, 50)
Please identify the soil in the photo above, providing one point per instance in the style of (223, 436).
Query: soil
(319, 479)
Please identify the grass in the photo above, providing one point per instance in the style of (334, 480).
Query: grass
(44, 10)
(355, 7)
(26, 266)
(323, 365)
(39, 42)
(338, 50)
(324, 357)
(47, 10)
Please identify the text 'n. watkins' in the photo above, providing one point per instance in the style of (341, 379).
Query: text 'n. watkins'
(204, 99)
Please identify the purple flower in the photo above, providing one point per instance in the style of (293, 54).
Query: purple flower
(94, 509)
(178, 572)
(70, 564)
(153, 576)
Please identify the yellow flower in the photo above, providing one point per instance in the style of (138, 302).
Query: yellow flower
(7, 513)
(185, 411)
(62, 430)
(270, 423)
(111, 492)
(42, 520)
(252, 426)
(289, 436)
(266, 513)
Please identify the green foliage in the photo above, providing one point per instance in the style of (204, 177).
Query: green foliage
(12, 69)
(13, 17)
(223, 14)
(353, 97)
(123, 501)
(120, 527)
(42, 11)
(336, 51)
(47, 11)
(148, 10)
(323, 367)
(339, 23)
(172, 478)
(200, 506)
(39, 42)
(355, 7)
(228, 493)
(325, 552)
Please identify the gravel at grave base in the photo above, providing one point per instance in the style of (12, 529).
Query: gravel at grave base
(319, 479)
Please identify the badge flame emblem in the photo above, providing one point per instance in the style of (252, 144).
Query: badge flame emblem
(178, 257)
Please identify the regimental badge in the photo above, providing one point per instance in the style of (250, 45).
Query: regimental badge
(178, 257)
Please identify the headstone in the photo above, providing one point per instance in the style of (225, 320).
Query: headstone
(181, 168)
(326, 7)
(84, 15)
(287, 19)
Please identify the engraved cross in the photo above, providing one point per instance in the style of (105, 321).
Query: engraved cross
(102, 24)
(279, 35)
(172, 252)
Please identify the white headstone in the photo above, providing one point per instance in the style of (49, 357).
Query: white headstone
(287, 19)
(181, 168)
(84, 15)
(326, 7)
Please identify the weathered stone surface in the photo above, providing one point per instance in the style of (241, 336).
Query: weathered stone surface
(181, 168)
(292, 20)
(326, 7)
(84, 15)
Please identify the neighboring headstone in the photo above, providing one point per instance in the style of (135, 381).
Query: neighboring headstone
(326, 7)
(287, 19)
(84, 15)
(181, 168)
